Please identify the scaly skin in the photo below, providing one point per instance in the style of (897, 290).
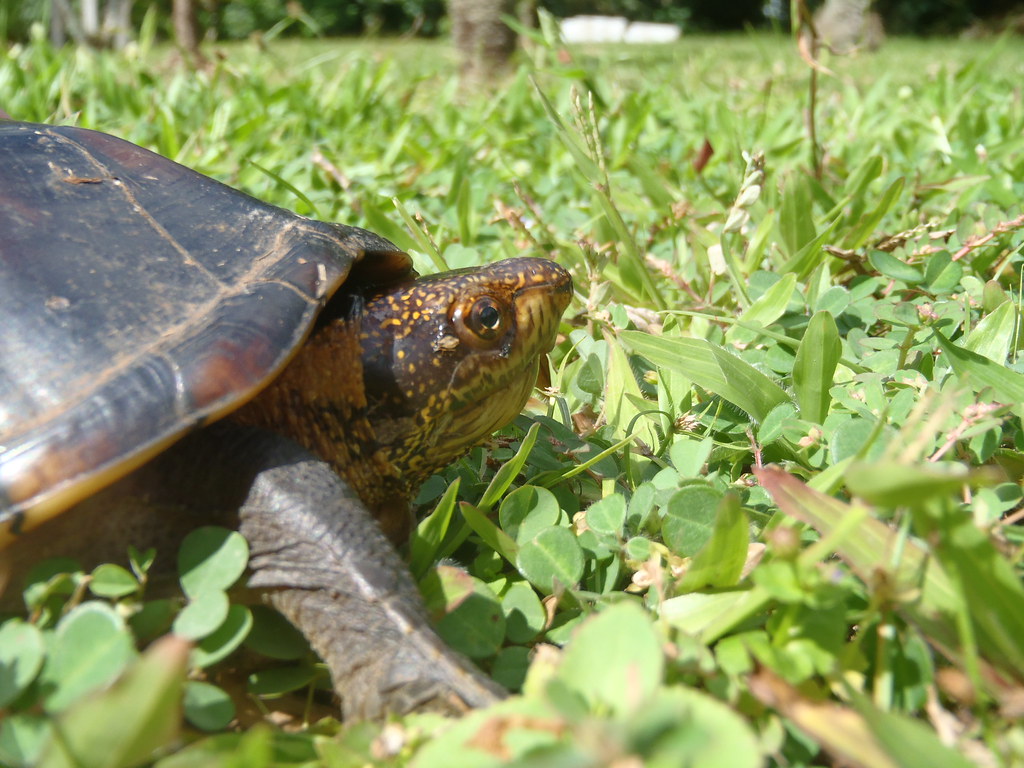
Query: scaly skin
(397, 385)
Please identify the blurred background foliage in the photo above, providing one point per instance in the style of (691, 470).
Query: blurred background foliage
(238, 19)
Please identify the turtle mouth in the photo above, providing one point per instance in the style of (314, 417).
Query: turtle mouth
(503, 380)
(539, 309)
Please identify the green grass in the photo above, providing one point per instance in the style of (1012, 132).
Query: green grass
(860, 601)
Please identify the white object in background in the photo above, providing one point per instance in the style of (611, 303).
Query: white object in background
(648, 32)
(616, 29)
(594, 29)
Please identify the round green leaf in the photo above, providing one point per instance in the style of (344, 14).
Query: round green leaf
(551, 559)
(91, 647)
(227, 638)
(690, 518)
(524, 614)
(639, 549)
(608, 515)
(510, 665)
(154, 618)
(274, 636)
(528, 510)
(206, 706)
(834, 300)
(942, 273)
(614, 659)
(23, 736)
(203, 614)
(444, 587)
(21, 657)
(851, 435)
(211, 558)
(890, 266)
(689, 455)
(127, 723)
(113, 581)
(641, 505)
(49, 582)
(476, 625)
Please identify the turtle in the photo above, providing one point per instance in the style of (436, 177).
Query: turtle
(175, 353)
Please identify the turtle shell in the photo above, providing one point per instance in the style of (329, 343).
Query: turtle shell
(138, 300)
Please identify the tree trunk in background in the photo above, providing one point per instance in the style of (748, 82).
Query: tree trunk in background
(117, 23)
(485, 43)
(186, 29)
(91, 20)
(63, 22)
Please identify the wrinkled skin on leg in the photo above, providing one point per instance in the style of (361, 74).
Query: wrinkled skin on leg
(316, 555)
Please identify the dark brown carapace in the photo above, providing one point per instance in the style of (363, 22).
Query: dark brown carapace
(393, 386)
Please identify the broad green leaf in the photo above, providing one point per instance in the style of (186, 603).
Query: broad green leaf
(890, 484)
(460, 745)
(699, 730)
(859, 438)
(510, 469)
(91, 647)
(552, 560)
(128, 724)
(21, 657)
(492, 535)
(528, 510)
(431, 531)
(993, 336)
(211, 558)
(623, 400)
(768, 308)
(206, 706)
(890, 266)
(942, 273)
(524, 614)
(816, 360)
(689, 455)
(690, 518)
(154, 618)
(1007, 385)
(639, 549)
(274, 636)
(712, 368)
(720, 561)
(698, 612)
(110, 580)
(23, 736)
(202, 615)
(608, 515)
(860, 234)
(510, 666)
(796, 226)
(622, 643)
(473, 622)
(228, 636)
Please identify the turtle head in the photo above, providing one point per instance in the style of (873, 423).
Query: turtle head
(450, 358)
(397, 382)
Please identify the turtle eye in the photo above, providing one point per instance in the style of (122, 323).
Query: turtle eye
(486, 319)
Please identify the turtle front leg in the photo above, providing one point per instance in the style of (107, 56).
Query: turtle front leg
(318, 555)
